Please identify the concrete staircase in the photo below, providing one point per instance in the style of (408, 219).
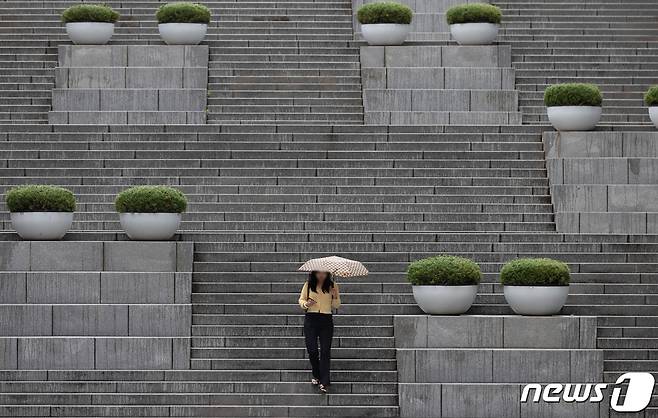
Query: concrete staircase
(611, 43)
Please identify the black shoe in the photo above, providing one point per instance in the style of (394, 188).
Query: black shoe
(315, 382)
(324, 389)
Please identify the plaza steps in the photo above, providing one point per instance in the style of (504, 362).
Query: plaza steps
(613, 44)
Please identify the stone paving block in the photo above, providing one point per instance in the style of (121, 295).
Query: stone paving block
(128, 100)
(464, 331)
(594, 171)
(414, 78)
(160, 320)
(493, 100)
(140, 256)
(486, 401)
(76, 99)
(588, 331)
(93, 55)
(387, 100)
(63, 287)
(8, 353)
(94, 118)
(470, 56)
(56, 353)
(12, 287)
(183, 288)
(632, 198)
(133, 353)
(372, 56)
(455, 366)
(90, 320)
(157, 118)
(419, 118)
(181, 353)
(196, 55)
(14, 255)
(137, 287)
(94, 78)
(640, 144)
(438, 100)
(155, 77)
(613, 222)
(183, 99)
(410, 331)
(195, 78)
(473, 78)
(184, 256)
(156, 56)
(641, 171)
(406, 365)
(420, 400)
(66, 256)
(586, 366)
(537, 366)
(412, 56)
(25, 320)
(582, 144)
(376, 118)
(544, 332)
(579, 198)
(373, 78)
(479, 118)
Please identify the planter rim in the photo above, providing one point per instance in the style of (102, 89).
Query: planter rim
(577, 106)
(537, 286)
(182, 23)
(152, 213)
(475, 23)
(44, 211)
(444, 285)
(98, 23)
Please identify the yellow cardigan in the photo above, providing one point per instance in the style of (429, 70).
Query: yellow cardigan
(324, 301)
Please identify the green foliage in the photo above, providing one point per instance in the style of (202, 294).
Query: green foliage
(384, 12)
(444, 270)
(651, 96)
(474, 13)
(572, 94)
(183, 12)
(39, 198)
(535, 272)
(90, 13)
(151, 199)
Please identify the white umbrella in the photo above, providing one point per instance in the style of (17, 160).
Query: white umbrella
(338, 266)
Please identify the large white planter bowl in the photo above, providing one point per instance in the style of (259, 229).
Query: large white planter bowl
(536, 300)
(385, 33)
(474, 33)
(653, 114)
(90, 33)
(445, 300)
(574, 118)
(150, 226)
(182, 33)
(41, 225)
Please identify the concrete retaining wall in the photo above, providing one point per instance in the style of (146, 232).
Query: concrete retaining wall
(86, 305)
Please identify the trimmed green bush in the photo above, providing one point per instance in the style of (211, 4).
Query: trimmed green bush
(444, 270)
(151, 199)
(384, 12)
(40, 198)
(90, 13)
(183, 12)
(474, 13)
(535, 272)
(572, 94)
(651, 96)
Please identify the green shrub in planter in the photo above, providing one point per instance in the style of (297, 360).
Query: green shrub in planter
(151, 199)
(444, 270)
(474, 13)
(535, 272)
(651, 96)
(384, 12)
(38, 198)
(90, 13)
(183, 12)
(572, 94)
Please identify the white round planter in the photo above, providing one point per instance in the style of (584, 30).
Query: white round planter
(653, 114)
(41, 225)
(150, 226)
(385, 33)
(182, 33)
(474, 33)
(445, 300)
(574, 118)
(90, 33)
(536, 300)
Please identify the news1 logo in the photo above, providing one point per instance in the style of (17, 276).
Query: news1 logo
(639, 388)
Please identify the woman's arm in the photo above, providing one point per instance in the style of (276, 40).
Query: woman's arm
(302, 296)
(335, 300)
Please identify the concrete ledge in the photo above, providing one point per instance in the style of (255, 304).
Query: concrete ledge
(499, 331)
(133, 56)
(441, 118)
(125, 256)
(436, 56)
(86, 353)
(507, 365)
(438, 400)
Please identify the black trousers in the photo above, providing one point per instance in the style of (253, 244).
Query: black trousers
(319, 327)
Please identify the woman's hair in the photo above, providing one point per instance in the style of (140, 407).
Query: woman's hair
(313, 282)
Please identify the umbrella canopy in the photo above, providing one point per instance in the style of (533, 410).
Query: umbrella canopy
(337, 266)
